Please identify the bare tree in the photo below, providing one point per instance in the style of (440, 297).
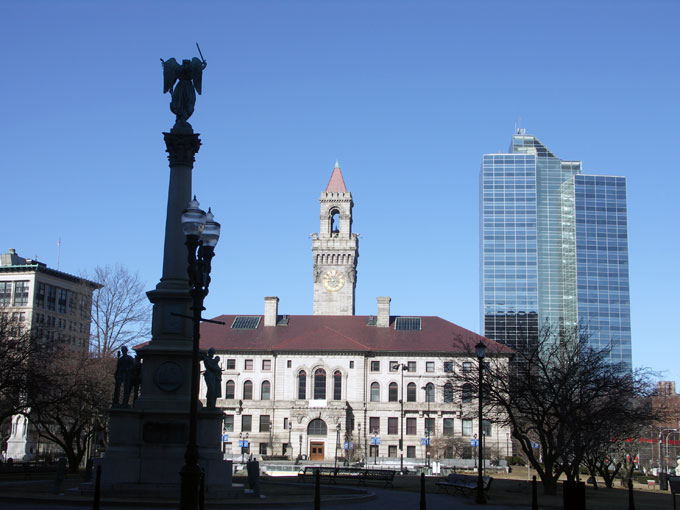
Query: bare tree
(71, 406)
(120, 310)
(21, 354)
(564, 396)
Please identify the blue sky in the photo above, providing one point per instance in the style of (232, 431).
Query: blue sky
(407, 95)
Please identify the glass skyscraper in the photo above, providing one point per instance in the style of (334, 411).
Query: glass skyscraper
(554, 250)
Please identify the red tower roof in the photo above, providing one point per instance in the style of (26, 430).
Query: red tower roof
(336, 183)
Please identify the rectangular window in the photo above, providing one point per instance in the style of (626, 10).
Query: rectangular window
(229, 423)
(84, 307)
(467, 427)
(5, 293)
(285, 423)
(392, 451)
(429, 426)
(411, 366)
(375, 366)
(72, 307)
(486, 428)
(248, 364)
(40, 296)
(411, 426)
(266, 365)
(448, 367)
(429, 366)
(411, 452)
(21, 293)
(51, 298)
(448, 426)
(263, 448)
(393, 425)
(63, 299)
(351, 364)
(264, 423)
(394, 366)
(246, 423)
(374, 425)
(467, 367)
(289, 364)
(231, 364)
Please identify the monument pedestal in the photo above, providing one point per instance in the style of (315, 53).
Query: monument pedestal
(146, 450)
(147, 442)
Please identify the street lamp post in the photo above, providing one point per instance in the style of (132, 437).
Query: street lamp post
(401, 401)
(375, 448)
(480, 350)
(668, 432)
(202, 234)
(427, 427)
(507, 444)
(290, 445)
(337, 442)
(359, 437)
(244, 440)
(300, 454)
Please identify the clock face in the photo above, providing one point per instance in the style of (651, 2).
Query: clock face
(333, 280)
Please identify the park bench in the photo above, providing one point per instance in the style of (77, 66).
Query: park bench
(361, 475)
(463, 484)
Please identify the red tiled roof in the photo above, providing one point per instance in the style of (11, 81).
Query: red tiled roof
(343, 333)
(336, 182)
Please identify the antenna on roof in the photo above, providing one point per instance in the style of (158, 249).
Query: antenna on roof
(58, 252)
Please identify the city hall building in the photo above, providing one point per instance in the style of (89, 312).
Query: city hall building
(313, 386)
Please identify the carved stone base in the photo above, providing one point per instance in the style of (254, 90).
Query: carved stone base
(147, 448)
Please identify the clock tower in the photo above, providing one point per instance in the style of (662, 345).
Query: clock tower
(335, 250)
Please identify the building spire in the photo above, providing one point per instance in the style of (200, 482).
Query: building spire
(336, 183)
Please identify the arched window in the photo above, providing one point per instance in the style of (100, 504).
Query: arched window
(467, 392)
(320, 384)
(448, 393)
(248, 390)
(411, 392)
(375, 392)
(317, 427)
(337, 385)
(265, 394)
(231, 389)
(335, 221)
(302, 385)
(429, 392)
(393, 393)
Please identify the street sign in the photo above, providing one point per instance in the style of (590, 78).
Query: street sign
(425, 441)
(534, 445)
(225, 438)
(375, 441)
(474, 442)
(349, 445)
(243, 443)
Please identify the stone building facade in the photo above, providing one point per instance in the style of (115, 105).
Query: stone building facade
(50, 306)
(334, 383)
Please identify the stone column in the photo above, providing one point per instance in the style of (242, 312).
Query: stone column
(182, 149)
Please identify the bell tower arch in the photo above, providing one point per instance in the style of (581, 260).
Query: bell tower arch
(335, 250)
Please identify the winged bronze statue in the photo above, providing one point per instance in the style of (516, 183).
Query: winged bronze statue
(183, 81)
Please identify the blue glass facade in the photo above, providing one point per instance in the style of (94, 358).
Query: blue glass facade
(553, 249)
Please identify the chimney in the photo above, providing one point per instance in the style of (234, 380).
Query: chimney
(271, 310)
(383, 312)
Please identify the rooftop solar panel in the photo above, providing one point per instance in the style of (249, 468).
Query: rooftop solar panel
(408, 323)
(246, 322)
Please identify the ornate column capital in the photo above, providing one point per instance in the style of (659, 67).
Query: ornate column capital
(181, 148)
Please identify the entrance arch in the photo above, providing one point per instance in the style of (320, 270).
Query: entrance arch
(316, 430)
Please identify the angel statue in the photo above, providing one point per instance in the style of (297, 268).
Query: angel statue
(188, 76)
